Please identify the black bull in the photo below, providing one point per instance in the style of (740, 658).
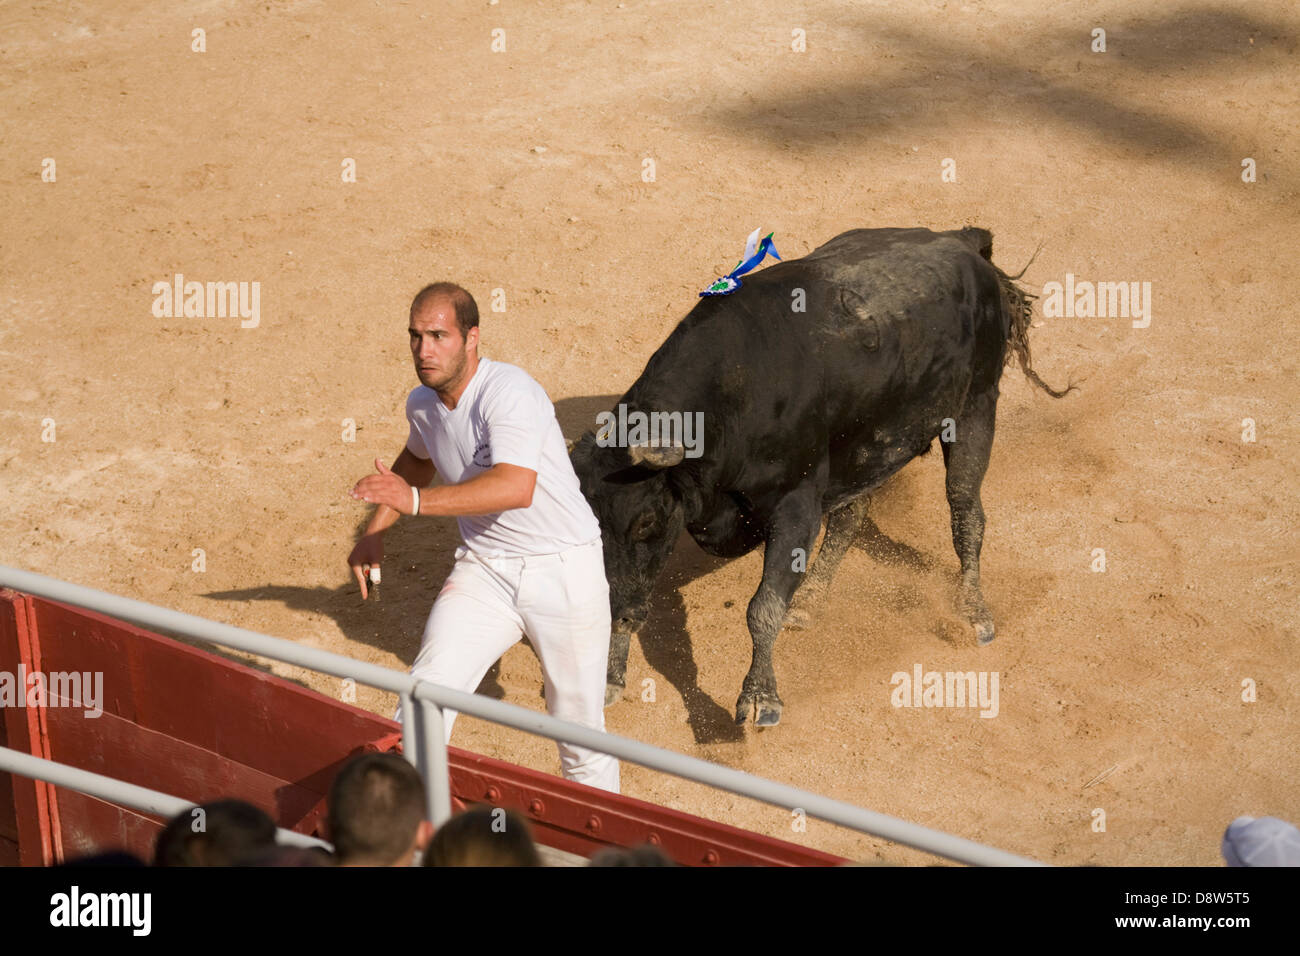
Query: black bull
(818, 379)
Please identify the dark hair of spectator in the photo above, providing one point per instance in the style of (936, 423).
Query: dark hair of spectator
(289, 856)
(483, 836)
(226, 832)
(376, 806)
(108, 858)
(644, 855)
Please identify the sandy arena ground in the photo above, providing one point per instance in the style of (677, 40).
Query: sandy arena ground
(521, 170)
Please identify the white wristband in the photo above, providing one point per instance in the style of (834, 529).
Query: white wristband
(415, 501)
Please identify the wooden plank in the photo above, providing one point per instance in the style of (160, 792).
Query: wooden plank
(30, 797)
(92, 826)
(8, 852)
(117, 748)
(214, 703)
(8, 815)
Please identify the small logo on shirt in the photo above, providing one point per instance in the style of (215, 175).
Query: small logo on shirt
(483, 455)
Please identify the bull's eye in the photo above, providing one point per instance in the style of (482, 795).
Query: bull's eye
(643, 527)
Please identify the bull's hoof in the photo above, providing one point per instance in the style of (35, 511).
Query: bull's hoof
(767, 710)
(613, 692)
(973, 608)
(798, 619)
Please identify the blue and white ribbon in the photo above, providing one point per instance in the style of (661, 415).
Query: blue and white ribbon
(755, 253)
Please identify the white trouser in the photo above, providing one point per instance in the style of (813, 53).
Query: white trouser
(561, 601)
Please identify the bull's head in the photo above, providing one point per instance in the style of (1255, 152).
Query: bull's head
(640, 519)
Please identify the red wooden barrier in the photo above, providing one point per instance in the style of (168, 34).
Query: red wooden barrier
(191, 723)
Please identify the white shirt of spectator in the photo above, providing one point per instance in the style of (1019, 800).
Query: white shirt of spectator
(504, 416)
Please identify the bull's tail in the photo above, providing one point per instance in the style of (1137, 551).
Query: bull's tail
(1018, 306)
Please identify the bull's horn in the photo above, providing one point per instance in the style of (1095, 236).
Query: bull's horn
(663, 456)
(571, 443)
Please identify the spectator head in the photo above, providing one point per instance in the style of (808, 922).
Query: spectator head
(376, 812)
(483, 836)
(644, 855)
(220, 833)
(289, 856)
(110, 858)
(1262, 841)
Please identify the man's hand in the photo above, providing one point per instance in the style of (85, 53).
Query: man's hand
(370, 549)
(384, 488)
(368, 553)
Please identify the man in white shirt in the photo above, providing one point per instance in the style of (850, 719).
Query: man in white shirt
(532, 560)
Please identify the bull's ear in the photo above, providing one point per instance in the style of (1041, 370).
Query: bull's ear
(657, 456)
(631, 475)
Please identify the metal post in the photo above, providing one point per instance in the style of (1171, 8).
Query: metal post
(411, 731)
(436, 770)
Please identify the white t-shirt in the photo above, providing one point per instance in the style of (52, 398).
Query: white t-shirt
(504, 416)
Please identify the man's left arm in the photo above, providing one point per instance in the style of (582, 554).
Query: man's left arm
(516, 421)
(500, 488)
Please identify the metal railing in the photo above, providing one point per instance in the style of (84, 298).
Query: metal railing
(423, 734)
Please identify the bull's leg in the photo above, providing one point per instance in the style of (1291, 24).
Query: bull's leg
(794, 524)
(620, 641)
(966, 459)
(841, 525)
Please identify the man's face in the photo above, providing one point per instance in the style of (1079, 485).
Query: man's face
(439, 350)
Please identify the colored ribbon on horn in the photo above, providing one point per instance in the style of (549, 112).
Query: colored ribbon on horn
(755, 253)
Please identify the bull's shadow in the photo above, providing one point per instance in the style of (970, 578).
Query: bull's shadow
(883, 549)
(666, 642)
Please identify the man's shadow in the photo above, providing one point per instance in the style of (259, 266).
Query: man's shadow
(418, 556)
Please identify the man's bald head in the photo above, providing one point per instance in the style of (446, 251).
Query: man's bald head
(448, 293)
